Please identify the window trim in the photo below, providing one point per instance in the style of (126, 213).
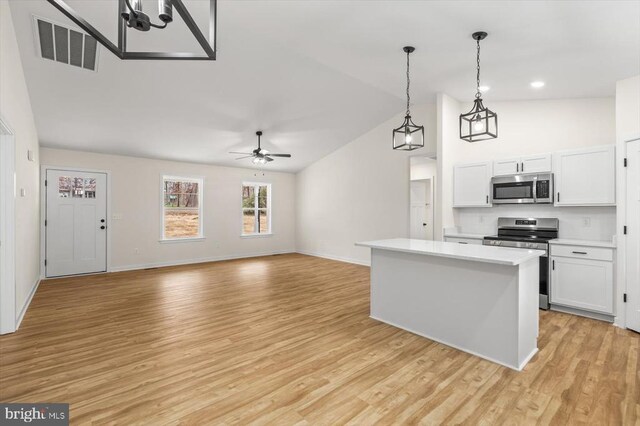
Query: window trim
(269, 210)
(195, 179)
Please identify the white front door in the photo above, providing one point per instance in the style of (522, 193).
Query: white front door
(633, 235)
(75, 222)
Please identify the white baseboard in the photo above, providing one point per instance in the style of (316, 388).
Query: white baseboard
(193, 261)
(27, 302)
(332, 257)
(582, 313)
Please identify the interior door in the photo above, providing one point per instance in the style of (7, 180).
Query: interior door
(75, 223)
(632, 239)
(418, 212)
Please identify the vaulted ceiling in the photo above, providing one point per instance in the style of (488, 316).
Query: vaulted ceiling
(313, 75)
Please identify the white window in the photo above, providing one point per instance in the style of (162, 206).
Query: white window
(181, 208)
(256, 208)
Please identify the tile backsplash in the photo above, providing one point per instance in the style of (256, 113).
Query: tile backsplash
(583, 223)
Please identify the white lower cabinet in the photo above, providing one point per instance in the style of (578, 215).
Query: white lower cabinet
(581, 279)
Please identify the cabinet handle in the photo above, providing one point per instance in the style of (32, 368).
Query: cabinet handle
(558, 196)
(517, 167)
(553, 265)
(462, 242)
(579, 252)
(487, 199)
(522, 166)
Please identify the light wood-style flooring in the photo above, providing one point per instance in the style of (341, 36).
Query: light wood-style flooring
(287, 340)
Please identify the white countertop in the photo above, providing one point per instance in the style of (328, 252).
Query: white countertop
(582, 243)
(478, 253)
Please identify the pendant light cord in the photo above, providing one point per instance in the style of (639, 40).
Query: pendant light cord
(478, 94)
(408, 83)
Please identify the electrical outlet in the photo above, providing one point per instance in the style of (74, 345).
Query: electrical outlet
(586, 222)
(116, 216)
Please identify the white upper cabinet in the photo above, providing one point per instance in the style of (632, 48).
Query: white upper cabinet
(506, 167)
(536, 164)
(585, 177)
(530, 164)
(471, 184)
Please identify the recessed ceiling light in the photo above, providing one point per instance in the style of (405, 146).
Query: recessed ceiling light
(484, 88)
(537, 84)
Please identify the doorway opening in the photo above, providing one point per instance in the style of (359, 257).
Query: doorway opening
(422, 187)
(7, 229)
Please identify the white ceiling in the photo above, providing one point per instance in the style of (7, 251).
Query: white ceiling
(315, 74)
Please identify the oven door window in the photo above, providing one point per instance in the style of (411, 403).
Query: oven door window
(513, 191)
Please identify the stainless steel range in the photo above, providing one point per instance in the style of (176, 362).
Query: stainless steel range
(528, 233)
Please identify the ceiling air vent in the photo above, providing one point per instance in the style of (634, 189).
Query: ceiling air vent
(65, 45)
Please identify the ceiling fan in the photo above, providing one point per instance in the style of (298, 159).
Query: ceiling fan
(260, 156)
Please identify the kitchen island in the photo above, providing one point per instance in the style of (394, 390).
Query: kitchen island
(479, 299)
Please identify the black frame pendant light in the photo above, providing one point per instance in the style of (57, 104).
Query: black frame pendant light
(480, 123)
(408, 136)
(130, 15)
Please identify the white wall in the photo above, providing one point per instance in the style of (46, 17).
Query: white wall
(530, 127)
(423, 168)
(628, 108)
(448, 137)
(136, 198)
(359, 192)
(15, 109)
(533, 127)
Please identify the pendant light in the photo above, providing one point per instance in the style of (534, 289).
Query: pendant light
(480, 123)
(131, 16)
(408, 136)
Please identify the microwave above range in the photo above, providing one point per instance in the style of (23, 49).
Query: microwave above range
(520, 189)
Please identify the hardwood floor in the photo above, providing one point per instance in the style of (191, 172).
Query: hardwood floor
(287, 339)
